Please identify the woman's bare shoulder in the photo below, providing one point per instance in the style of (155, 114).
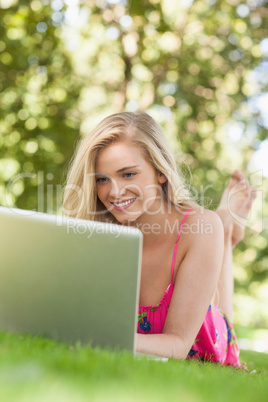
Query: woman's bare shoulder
(202, 224)
(205, 215)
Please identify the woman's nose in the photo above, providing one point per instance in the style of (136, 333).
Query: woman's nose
(117, 190)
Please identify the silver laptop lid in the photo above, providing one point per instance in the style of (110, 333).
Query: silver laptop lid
(69, 279)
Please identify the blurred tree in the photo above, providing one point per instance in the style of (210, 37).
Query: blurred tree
(37, 116)
(190, 67)
(196, 66)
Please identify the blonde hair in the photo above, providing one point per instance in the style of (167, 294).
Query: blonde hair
(80, 195)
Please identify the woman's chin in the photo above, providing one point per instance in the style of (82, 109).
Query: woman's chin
(125, 220)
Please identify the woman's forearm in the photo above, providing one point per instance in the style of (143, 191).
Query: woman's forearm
(164, 345)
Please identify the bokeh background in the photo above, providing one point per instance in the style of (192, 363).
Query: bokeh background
(200, 68)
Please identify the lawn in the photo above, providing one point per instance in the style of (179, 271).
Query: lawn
(37, 369)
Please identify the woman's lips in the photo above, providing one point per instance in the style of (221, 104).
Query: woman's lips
(123, 204)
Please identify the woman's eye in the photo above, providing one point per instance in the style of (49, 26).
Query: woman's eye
(102, 180)
(129, 175)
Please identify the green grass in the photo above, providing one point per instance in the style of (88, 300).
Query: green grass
(35, 369)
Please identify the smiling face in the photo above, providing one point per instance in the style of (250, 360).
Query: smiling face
(127, 185)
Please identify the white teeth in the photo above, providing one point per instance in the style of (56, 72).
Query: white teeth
(123, 204)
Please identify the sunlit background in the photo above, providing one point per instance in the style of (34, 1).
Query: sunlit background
(200, 68)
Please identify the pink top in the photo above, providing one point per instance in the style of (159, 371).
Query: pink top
(216, 339)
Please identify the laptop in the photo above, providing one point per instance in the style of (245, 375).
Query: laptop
(69, 279)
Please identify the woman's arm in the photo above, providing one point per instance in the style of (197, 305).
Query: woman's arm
(195, 283)
(165, 345)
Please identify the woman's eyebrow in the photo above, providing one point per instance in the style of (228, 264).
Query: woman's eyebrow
(126, 168)
(100, 174)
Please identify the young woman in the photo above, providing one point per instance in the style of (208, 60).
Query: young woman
(125, 172)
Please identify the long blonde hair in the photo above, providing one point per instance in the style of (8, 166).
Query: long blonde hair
(80, 195)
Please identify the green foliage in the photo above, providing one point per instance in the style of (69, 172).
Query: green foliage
(38, 92)
(188, 64)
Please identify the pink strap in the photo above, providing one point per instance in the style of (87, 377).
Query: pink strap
(177, 242)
